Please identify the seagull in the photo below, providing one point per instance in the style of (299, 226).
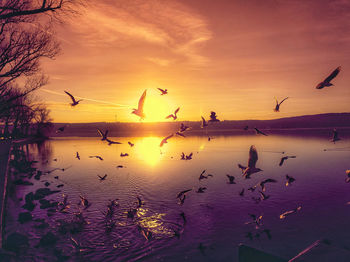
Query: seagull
(189, 157)
(231, 178)
(242, 167)
(285, 158)
(84, 202)
(174, 116)
(213, 117)
(242, 192)
(183, 157)
(287, 213)
(139, 110)
(96, 157)
(277, 108)
(102, 177)
(139, 202)
(182, 193)
(327, 81)
(347, 172)
(77, 156)
(290, 180)
(201, 189)
(256, 220)
(204, 123)
(335, 136)
(263, 196)
(182, 200)
(111, 142)
(253, 158)
(163, 91)
(102, 134)
(259, 132)
(269, 180)
(165, 140)
(74, 102)
(252, 188)
(124, 155)
(184, 128)
(202, 176)
(61, 129)
(182, 214)
(179, 134)
(131, 144)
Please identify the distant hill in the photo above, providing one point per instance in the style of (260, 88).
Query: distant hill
(321, 121)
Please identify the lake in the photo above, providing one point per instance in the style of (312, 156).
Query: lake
(215, 219)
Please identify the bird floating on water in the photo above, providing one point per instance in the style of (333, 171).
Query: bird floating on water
(74, 102)
(124, 155)
(277, 107)
(327, 81)
(139, 111)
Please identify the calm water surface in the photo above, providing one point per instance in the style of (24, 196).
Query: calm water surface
(215, 218)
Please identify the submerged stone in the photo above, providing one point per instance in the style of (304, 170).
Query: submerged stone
(16, 242)
(43, 192)
(25, 217)
(47, 204)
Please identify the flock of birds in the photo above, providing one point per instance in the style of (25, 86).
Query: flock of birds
(247, 171)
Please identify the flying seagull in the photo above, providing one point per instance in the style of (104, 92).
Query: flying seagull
(74, 102)
(183, 128)
(163, 91)
(258, 132)
(253, 158)
(174, 116)
(111, 142)
(131, 144)
(287, 213)
(102, 177)
(231, 179)
(96, 157)
(165, 140)
(202, 176)
(347, 172)
(284, 159)
(269, 180)
(277, 107)
(139, 111)
(290, 180)
(102, 134)
(204, 123)
(180, 194)
(77, 156)
(61, 129)
(327, 81)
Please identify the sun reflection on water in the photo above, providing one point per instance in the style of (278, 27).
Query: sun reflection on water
(148, 150)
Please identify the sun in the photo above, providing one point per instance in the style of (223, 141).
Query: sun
(156, 108)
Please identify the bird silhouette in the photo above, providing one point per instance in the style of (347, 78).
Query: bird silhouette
(290, 180)
(284, 159)
(258, 132)
(182, 200)
(61, 129)
(269, 180)
(335, 137)
(277, 107)
(183, 128)
(139, 111)
(242, 192)
(204, 123)
(174, 116)
(102, 177)
(111, 142)
(251, 169)
(77, 156)
(180, 194)
(257, 220)
(84, 202)
(201, 190)
(287, 213)
(131, 144)
(102, 134)
(178, 133)
(202, 176)
(165, 140)
(74, 102)
(213, 117)
(98, 157)
(263, 196)
(327, 81)
(347, 172)
(124, 155)
(231, 179)
(163, 91)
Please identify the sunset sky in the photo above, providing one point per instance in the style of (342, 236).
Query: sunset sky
(229, 56)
